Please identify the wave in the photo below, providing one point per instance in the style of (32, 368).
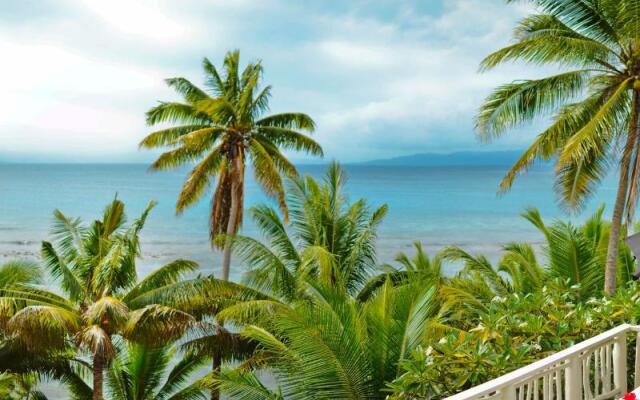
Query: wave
(175, 243)
(20, 242)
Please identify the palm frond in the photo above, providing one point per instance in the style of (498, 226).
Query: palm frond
(43, 326)
(19, 272)
(172, 112)
(168, 136)
(164, 276)
(290, 140)
(288, 121)
(603, 125)
(59, 270)
(94, 339)
(241, 385)
(514, 103)
(155, 324)
(190, 92)
(544, 38)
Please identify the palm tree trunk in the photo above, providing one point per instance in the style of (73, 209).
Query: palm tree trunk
(611, 267)
(236, 186)
(98, 378)
(217, 363)
(226, 261)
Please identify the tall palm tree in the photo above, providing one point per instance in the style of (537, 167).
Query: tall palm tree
(152, 373)
(596, 102)
(95, 266)
(220, 128)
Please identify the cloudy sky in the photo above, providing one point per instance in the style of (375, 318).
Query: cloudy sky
(380, 77)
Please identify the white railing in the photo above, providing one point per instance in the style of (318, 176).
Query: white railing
(595, 369)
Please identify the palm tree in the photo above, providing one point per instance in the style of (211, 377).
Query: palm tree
(152, 373)
(481, 278)
(412, 269)
(102, 297)
(331, 239)
(313, 332)
(331, 346)
(575, 255)
(596, 102)
(20, 387)
(220, 128)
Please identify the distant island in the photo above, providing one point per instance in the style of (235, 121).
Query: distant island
(463, 158)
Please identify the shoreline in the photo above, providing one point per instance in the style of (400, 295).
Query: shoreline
(156, 253)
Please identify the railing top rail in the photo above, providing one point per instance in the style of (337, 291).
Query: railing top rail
(541, 365)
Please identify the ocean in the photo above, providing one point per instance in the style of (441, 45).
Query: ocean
(437, 206)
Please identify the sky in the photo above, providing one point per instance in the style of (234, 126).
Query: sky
(381, 78)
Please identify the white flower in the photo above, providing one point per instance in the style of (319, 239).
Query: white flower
(498, 299)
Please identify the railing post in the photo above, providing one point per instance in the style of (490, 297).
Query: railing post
(508, 393)
(620, 362)
(636, 370)
(572, 379)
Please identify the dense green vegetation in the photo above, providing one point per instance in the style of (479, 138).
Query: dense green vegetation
(315, 316)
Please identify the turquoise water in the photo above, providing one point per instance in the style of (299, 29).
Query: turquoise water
(436, 205)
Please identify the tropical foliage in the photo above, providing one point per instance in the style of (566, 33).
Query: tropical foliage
(330, 240)
(221, 127)
(322, 331)
(142, 372)
(595, 101)
(573, 254)
(312, 331)
(20, 387)
(315, 316)
(508, 333)
(101, 300)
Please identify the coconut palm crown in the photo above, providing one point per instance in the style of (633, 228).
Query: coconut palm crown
(154, 373)
(219, 128)
(100, 296)
(595, 101)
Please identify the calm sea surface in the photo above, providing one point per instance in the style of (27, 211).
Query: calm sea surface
(438, 206)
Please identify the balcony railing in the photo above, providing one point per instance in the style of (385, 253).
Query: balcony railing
(595, 369)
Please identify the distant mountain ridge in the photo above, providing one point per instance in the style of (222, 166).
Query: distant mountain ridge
(462, 158)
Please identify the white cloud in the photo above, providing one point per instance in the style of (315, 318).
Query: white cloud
(96, 66)
(46, 69)
(418, 82)
(142, 18)
(55, 100)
